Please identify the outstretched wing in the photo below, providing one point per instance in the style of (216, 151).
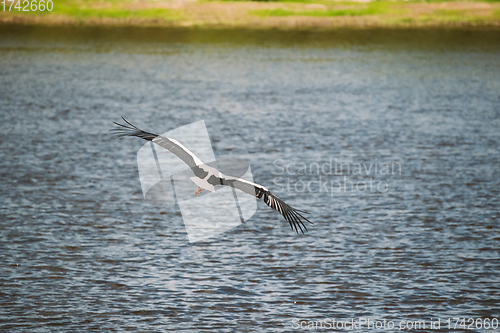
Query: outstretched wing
(172, 145)
(292, 215)
(183, 153)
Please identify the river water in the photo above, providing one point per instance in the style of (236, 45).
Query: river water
(389, 139)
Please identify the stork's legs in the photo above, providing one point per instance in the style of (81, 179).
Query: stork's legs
(198, 191)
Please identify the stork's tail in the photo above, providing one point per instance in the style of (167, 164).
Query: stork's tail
(128, 129)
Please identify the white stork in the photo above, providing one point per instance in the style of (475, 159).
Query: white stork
(207, 177)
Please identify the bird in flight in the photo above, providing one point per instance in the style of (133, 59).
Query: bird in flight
(207, 177)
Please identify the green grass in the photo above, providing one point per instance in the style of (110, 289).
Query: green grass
(451, 16)
(456, 15)
(357, 9)
(317, 13)
(85, 9)
(389, 13)
(83, 13)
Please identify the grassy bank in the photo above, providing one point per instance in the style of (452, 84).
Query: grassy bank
(286, 14)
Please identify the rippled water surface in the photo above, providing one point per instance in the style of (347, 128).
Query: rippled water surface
(82, 250)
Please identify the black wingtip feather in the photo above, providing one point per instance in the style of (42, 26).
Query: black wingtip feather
(128, 129)
(292, 215)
